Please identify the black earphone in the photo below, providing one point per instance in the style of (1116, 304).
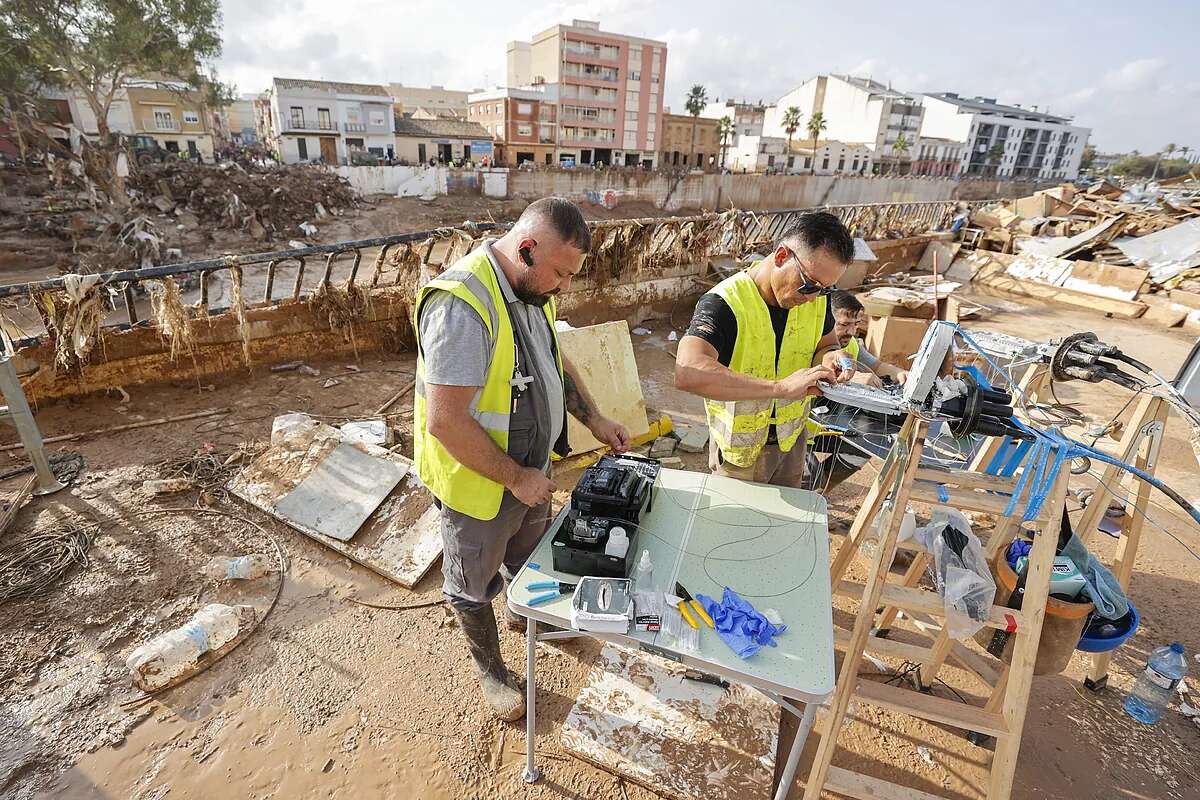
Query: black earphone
(525, 256)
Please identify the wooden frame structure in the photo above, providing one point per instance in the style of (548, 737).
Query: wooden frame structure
(902, 478)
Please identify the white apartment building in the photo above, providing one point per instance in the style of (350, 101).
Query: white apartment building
(609, 89)
(831, 158)
(757, 154)
(856, 111)
(747, 118)
(1005, 141)
(328, 121)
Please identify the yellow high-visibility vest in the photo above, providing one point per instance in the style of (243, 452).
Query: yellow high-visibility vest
(473, 280)
(740, 427)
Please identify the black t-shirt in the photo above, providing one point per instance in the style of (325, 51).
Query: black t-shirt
(715, 323)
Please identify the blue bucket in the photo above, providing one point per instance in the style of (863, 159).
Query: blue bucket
(1090, 644)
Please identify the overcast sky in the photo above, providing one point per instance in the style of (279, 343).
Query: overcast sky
(1127, 70)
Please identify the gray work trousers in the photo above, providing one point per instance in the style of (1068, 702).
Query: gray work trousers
(772, 466)
(474, 550)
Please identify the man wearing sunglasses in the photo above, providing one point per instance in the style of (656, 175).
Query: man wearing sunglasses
(750, 347)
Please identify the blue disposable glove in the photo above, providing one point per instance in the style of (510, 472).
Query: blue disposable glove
(739, 624)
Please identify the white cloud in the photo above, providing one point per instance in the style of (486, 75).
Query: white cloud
(1134, 75)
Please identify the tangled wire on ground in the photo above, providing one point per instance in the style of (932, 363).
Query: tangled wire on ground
(34, 564)
(208, 469)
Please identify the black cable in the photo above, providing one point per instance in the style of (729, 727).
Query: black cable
(1131, 361)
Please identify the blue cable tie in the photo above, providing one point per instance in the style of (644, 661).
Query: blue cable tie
(943, 495)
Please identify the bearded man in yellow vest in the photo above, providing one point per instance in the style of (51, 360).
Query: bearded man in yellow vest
(750, 348)
(492, 393)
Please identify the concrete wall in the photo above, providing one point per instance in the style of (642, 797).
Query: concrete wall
(398, 181)
(753, 192)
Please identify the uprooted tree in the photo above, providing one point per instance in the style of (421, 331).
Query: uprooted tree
(91, 49)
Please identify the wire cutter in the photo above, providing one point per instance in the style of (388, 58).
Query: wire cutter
(687, 600)
(557, 589)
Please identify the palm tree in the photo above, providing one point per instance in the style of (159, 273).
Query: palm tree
(697, 99)
(725, 130)
(1183, 151)
(791, 124)
(816, 124)
(993, 156)
(1166, 151)
(899, 148)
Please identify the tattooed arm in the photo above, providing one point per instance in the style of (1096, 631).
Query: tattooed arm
(582, 407)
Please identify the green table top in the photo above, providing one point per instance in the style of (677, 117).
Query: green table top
(769, 544)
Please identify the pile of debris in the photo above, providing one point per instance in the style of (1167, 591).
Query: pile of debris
(1137, 247)
(267, 201)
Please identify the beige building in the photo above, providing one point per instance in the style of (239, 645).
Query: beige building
(420, 141)
(436, 100)
(609, 89)
(679, 149)
(173, 113)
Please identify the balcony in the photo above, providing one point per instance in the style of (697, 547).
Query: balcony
(354, 127)
(582, 72)
(294, 124)
(160, 124)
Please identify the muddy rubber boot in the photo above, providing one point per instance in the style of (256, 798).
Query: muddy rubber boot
(483, 640)
(512, 620)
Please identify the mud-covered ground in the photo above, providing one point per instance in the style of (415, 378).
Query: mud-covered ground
(331, 699)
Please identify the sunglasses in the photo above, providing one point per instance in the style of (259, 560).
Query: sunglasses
(811, 287)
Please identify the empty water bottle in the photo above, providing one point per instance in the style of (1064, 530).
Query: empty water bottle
(243, 568)
(1156, 684)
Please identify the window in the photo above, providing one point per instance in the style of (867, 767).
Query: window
(746, 132)
(632, 98)
(297, 117)
(499, 130)
(524, 129)
(323, 120)
(652, 121)
(192, 117)
(164, 120)
(635, 54)
(377, 119)
(524, 109)
(631, 115)
(841, 163)
(825, 163)
(635, 75)
(302, 149)
(650, 140)
(499, 108)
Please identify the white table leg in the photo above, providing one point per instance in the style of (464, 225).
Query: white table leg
(532, 773)
(789, 770)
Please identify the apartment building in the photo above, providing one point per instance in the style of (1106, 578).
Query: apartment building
(522, 122)
(170, 111)
(937, 156)
(609, 90)
(756, 154)
(1005, 141)
(856, 111)
(235, 125)
(306, 120)
(441, 102)
(690, 142)
(747, 118)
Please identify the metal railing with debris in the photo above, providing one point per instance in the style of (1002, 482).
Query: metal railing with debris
(618, 245)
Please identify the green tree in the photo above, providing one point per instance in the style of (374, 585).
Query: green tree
(1088, 158)
(697, 99)
(816, 124)
(92, 48)
(791, 124)
(1184, 150)
(725, 130)
(993, 156)
(899, 149)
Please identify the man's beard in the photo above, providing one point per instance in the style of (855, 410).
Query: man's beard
(530, 297)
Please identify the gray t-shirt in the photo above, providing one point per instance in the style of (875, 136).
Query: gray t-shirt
(456, 350)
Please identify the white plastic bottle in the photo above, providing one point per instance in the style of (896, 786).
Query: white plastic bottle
(243, 568)
(618, 542)
(643, 574)
(168, 656)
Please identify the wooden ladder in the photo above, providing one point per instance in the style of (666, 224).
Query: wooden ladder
(1003, 717)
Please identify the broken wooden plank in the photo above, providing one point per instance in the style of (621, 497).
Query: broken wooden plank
(994, 276)
(602, 356)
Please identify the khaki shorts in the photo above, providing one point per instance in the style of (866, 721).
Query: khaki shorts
(773, 466)
(474, 551)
